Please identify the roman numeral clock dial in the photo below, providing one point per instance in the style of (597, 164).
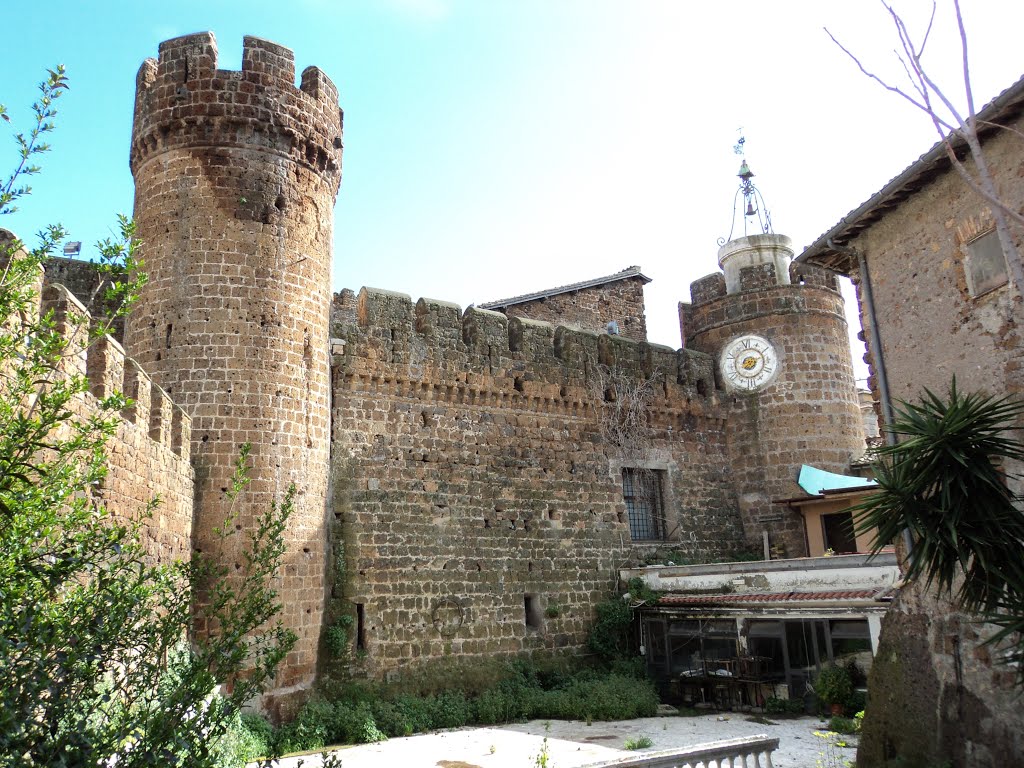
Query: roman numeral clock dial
(748, 363)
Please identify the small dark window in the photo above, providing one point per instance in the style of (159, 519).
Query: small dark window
(360, 627)
(532, 611)
(641, 490)
(985, 266)
(839, 533)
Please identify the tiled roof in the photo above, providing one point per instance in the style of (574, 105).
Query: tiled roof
(626, 274)
(913, 178)
(730, 598)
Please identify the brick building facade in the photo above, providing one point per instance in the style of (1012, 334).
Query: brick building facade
(590, 305)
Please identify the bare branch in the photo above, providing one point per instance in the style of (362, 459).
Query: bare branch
(967, 69)
(873, 76)
(961, 128)
(1000, 126)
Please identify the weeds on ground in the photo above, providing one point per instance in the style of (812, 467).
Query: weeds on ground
(641, 742)
(830, 756)
(543, 758)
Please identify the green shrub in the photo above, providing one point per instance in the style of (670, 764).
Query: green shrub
(450, 710)
(610, 633)
(356, 714)
(843, 725)
(635, 666)
(247, 737)
(855, 702)
(390, 719)
(310, 730)
(353, 723)
(415, 713)
(336, 637)
(506, 704)
(612, 697)
(834, 685)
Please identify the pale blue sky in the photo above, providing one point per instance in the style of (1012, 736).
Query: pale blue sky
(496, 148)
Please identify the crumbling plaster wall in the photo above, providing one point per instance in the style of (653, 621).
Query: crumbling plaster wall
(471, 472)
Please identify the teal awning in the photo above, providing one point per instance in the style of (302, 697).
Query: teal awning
(816, 481)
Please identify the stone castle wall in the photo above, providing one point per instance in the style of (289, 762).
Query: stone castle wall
(474, 481)
(459, 476)
(86, 283)
(236, 175)
(808, 414)
(592, 308)
(148, 455)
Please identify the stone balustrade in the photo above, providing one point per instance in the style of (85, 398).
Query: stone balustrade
(745, 752)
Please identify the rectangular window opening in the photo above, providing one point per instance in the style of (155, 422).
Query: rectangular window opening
(641, 490)
(360, 628)
(531, 612)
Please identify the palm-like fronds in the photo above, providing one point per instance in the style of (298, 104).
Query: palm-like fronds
(945, 482)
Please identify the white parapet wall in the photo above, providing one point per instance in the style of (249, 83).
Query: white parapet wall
(838, 572)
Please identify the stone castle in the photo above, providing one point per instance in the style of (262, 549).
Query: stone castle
(469, 483)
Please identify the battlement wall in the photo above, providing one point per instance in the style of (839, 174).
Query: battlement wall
(478, 475)
(84, 281)
(236, 175)
(148, 455)
(183, 100)
(811, 290)
(434, 339)
(808, 414)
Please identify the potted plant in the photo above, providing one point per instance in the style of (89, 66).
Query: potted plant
(834, 687)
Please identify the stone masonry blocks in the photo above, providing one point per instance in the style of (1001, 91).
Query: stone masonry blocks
(236, 175)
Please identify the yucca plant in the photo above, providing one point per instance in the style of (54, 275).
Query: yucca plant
(945, 481)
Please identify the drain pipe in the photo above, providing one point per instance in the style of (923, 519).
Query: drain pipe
(881, 378)
(868, 297)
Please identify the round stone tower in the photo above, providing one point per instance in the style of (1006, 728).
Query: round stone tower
(780, 338)
(236, 174)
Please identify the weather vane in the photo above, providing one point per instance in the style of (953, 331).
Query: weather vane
(753, 202)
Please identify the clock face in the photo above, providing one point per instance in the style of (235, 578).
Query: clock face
(749, 363)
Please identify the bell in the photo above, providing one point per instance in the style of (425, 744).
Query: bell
(750, 208)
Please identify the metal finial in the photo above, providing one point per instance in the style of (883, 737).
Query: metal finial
(753, 202)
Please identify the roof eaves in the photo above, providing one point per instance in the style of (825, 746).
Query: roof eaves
(626, 274)
(823, 251)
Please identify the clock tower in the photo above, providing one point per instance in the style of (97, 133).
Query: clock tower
(778, 332)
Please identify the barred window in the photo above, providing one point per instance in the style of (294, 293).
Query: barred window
(641, 490)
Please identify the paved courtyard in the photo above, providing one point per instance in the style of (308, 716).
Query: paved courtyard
(574, 743)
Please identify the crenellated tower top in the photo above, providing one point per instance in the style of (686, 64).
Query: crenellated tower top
(183, 100)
